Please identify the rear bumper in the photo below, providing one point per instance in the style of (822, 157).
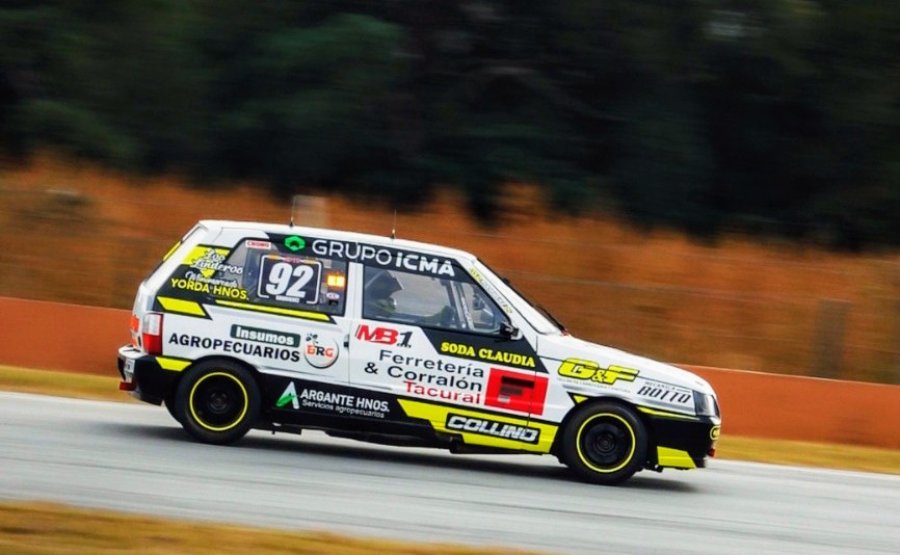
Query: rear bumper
(143, 377)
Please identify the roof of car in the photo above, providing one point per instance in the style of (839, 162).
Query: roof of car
(351, 236)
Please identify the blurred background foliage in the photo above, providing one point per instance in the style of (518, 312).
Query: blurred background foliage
(777, 117)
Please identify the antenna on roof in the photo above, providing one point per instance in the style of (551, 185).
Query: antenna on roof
(394, 227)
(293, 208)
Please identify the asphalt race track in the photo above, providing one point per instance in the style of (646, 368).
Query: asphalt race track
(136, 458)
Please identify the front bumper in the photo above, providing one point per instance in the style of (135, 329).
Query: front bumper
(683, 442)
(143, 377)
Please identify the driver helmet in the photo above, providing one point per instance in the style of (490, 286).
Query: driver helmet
(380, 288)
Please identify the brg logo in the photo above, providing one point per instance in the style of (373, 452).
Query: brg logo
(320, 353)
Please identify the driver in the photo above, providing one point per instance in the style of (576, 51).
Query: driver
(378, 295)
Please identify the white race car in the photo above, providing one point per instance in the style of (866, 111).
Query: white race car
(249, 325)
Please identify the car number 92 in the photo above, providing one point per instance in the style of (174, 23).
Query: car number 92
(291, 280)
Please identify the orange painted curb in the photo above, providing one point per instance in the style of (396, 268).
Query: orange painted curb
(36, 334)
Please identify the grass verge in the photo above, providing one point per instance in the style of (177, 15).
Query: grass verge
(849, 457)
(42, 528)
(62, 384)
(806, 453)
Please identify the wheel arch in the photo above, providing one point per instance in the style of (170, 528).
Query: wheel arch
(216, 357)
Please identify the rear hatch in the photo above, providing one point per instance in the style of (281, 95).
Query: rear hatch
(145, 325)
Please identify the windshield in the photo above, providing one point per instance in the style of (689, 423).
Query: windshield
(538, 317)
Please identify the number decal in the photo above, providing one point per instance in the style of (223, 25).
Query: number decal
(289, 279)
(279, 276)
(303, 274)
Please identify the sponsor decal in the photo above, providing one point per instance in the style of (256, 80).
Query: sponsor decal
(341, 403)
(438, 413)
(437, 379)
(487, 354)
(237, 347)
(320, 353)
(484, 348)
(265, 336)
(294, 243)
(255, 244)
(714, 433)
(441, 393)
(383, 257)
(209, 287)
(666, 393)
(289, 279)
(486, 427)
(332, 296)
(587, 370)
(516, 391)
(213, 261)
(383, 335)
(196, 276)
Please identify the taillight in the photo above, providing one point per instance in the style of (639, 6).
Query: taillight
(151, 333)
(135, 326)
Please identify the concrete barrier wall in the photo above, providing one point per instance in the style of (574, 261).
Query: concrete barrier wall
(75, 338)
(802, 408)
(56, 336)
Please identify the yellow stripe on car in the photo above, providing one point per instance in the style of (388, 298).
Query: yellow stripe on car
(181, 306)
(172, 250)
(275, 310)
(674, 458)
(172, 364)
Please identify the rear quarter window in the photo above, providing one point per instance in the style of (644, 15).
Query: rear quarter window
(288, 280)
(255, 272)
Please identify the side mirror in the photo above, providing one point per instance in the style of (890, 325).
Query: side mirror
(509, 331)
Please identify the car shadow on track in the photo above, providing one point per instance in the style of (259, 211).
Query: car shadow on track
(506, 465)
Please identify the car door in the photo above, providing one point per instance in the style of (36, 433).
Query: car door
(438, 344)
(389, 348)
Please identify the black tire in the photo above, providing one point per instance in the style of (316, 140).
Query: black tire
(217, 402)
(169, 403)
(604, 443)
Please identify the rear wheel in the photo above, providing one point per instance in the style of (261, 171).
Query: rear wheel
(217, 402)
(605, 443)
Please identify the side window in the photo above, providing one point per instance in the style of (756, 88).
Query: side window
(416, 299)
(481, 312)
(290, 281)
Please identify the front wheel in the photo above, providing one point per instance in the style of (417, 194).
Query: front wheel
(169, 403)
(605, 443)
(217, 402)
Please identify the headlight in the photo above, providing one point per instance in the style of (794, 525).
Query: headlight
(705, 404)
